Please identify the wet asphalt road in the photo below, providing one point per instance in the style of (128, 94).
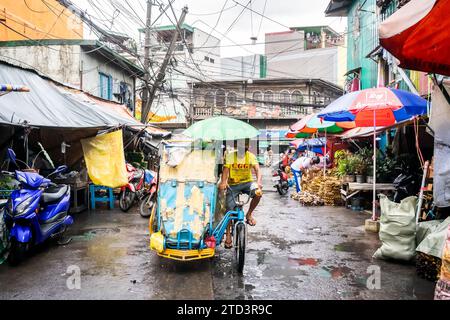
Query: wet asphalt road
(294, 252)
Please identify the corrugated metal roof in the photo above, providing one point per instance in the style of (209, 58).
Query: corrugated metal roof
(50, 104)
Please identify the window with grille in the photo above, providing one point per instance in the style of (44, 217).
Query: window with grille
(105, 86)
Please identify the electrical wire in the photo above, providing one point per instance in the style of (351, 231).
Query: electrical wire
(260, 23)
(31, 9)
(217, 23)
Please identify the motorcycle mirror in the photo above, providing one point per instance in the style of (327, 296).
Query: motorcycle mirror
(61, 169)
(11, 155)
(58, 170)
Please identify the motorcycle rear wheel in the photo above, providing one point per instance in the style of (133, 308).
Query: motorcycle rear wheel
(282, 190)
(126, 199)
(146, 205)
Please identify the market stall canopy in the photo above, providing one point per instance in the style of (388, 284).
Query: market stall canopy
(372, 108)
(377, 106)
(359, 132)
(418, 35)
(221, 128)
(113, 108)
(48, 105)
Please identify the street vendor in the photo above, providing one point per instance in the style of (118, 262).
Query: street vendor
(301, 164)
(237, 174)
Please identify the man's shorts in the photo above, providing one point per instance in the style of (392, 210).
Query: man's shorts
(245, 187)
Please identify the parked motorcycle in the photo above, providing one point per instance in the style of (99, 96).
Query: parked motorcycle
(149, 198)
(36, 212)
(407, 182)
(282, 180)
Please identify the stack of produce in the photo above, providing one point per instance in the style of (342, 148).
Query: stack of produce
(427, 266)
(330, 191)
(314, 185)
(307, 199)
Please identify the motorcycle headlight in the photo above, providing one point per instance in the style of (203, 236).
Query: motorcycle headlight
(23, 206)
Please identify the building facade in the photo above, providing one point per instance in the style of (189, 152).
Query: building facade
(196, 56)
(264, 103)
(306, 52)
(88, 65)
(369, 65)
(38, 20)
(51, 39)
(244, 67)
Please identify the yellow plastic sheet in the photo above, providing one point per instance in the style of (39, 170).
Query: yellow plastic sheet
(105, 159)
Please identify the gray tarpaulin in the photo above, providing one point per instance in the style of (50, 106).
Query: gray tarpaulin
(48, 106)
(440, 122)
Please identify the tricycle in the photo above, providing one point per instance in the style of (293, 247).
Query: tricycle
(188, 223)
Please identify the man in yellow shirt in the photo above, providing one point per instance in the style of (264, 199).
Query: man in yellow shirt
(237, 174)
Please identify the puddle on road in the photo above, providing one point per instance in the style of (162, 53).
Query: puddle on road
(105, 251)
(305, 261)
(351, 246)
(90, 234)
(335, 272)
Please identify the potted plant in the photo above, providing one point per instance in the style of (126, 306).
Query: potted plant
(345, 165)
(350, 169)
(360, 165)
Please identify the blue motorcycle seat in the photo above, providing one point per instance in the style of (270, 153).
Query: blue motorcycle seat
(54, 193)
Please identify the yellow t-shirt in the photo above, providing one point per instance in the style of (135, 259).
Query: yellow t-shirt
(240, 169)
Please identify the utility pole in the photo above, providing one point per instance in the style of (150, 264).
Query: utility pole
(162, 70)
(145, 93)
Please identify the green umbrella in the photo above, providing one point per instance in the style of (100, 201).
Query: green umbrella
(303, 135)
(324, 126)
(221, 128)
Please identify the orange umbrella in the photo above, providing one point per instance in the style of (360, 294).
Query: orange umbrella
(346, 124)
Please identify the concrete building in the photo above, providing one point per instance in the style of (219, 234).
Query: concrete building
(369, 65)
(87, 65)
(264, 103)
(55, 46)
(244, 67)
(306, 52)
(37, 20)
(196, 56)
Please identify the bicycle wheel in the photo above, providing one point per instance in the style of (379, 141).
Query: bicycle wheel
(239, 248)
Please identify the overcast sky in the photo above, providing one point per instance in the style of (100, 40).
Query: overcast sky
(204, 14)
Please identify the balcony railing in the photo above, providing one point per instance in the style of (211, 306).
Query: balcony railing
(251, 111)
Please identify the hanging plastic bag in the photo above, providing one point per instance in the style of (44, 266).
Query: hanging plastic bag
(397, 229)
(105, 159)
